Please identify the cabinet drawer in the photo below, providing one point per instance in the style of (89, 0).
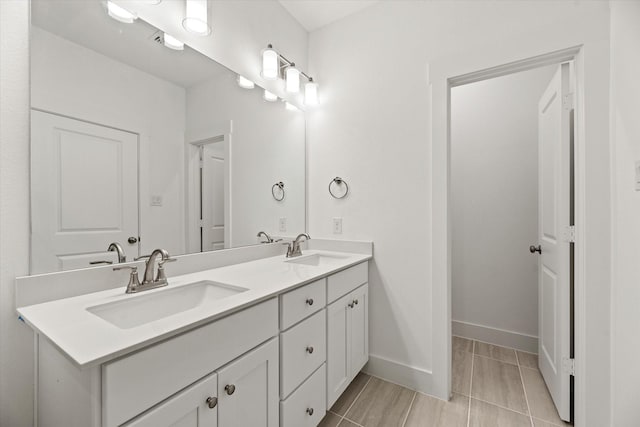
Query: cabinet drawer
(302, 302)
(306, 406)
(302, 350)
(135, 383)
(346, 281)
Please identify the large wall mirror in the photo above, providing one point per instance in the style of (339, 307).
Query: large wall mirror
(139, 146)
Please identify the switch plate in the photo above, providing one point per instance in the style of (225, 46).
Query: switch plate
(337, 225)
(638, 175)
(156, 200)
(282, 224)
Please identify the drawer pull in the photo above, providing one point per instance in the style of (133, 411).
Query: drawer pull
(212, 402)
(310, 301)
(310, 411)
(310, 350)
(230, 389)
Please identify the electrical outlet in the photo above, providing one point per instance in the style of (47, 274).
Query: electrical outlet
(283, 224)
(337, 225)
(156, 200)
(638, 175)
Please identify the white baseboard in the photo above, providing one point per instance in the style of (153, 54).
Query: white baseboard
(407, 376)
(496, 336)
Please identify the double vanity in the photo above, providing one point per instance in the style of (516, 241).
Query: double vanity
(270, 342)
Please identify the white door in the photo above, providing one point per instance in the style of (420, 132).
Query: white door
(197, 406)
(359, 329)
(248, 389)
(338, 348)
(553, 232)
(213, 186)
(84, 192)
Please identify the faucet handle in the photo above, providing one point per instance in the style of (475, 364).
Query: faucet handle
(163, 261)
(289, 248)
(162, 276)
(134, 282)
(133, 268)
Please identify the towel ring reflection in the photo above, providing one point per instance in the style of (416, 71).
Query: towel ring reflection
(279, 185)
(339, 181)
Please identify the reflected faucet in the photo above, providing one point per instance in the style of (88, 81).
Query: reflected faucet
(266, 236)
(293, 249)
(115, 246)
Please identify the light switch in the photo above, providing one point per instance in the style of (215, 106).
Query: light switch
(283, 224)
(337, 225)
(638, 175)
(156, 200)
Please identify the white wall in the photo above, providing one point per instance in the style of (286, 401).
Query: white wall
(267, 146)
(625, 134)
(494, 202)
(75, 81)
(373, 130)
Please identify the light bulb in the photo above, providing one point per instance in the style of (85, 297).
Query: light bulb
(172, 42)
(120, 14)
(292, 76)
(245, 83)
(311, 93)
(196, 19)
(269, 64)
(270, 96)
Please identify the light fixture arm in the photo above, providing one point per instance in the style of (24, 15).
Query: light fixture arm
(287, 63)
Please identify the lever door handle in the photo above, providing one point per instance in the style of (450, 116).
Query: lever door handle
(534, 249)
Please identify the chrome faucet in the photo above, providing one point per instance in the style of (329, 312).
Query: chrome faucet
(266, 236)
(115, 246)
(148, 282)
(293, 249)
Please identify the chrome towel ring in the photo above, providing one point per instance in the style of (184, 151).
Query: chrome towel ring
(280, 186)
(339, 182)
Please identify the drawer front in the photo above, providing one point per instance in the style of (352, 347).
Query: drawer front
(346, 281)
(306, 406)
(302, 302)
(135, 383)
(303, 349)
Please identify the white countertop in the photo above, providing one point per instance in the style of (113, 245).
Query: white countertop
(88, 340)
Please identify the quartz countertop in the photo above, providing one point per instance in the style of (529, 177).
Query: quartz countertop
(88, 340)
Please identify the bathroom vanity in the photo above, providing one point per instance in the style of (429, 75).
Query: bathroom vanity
(271, 342)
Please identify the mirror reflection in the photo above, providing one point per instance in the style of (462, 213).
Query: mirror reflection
(136, 145)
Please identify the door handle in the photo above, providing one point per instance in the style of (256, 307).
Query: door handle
(534, 249)
(132, 240)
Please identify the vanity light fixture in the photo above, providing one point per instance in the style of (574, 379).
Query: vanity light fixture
(244, 82)
(270, 96)
(119, 13)
(172, 42)
(196, 18)
(292, 78)
(270, 63)
(311, 93)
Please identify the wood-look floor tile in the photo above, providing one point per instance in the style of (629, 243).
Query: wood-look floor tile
(502, 354)
(344, 402)
(487, 415)
(346, 423)
(498, 382)
(461, 344)
(432, 412)
(527, 360)
(540, 423)
(381, 404)
(461, 372)
(330, 420)
(540, 402)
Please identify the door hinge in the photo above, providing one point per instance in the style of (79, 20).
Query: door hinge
(570, 234)
(567, 101)
(569, 366)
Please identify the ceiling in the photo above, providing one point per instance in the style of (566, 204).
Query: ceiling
(315, 14)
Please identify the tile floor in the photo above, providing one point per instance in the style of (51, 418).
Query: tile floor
(493, 387)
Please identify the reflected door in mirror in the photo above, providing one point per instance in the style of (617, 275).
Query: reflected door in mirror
(212, 196)
(84, 192)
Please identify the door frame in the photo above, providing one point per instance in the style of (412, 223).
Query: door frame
(443, 76)
(220, 132)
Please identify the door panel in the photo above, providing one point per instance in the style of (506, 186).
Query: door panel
(359, 329)
(554, 203)
(213, 186)
(338, 348)
(84, 191)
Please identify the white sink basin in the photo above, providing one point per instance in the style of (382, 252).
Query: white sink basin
(317, 259)
(141, 309)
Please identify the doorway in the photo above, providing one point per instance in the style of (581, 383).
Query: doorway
(512, 217)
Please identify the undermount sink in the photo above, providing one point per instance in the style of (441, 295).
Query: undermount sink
(142, 309)
(317, 259)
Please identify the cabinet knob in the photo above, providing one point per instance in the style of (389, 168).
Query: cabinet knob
(230, 389)
(309, 349)
(310, 301)
(212, 402)
(310, 411)
(355, 302)
(350, 305)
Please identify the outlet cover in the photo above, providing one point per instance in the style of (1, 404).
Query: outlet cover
(156, 200)
(337, 225)
(282, 224)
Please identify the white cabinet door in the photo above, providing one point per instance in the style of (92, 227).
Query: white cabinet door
(194, 407)
(359, 329)
(248, 389)
(338, 348)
